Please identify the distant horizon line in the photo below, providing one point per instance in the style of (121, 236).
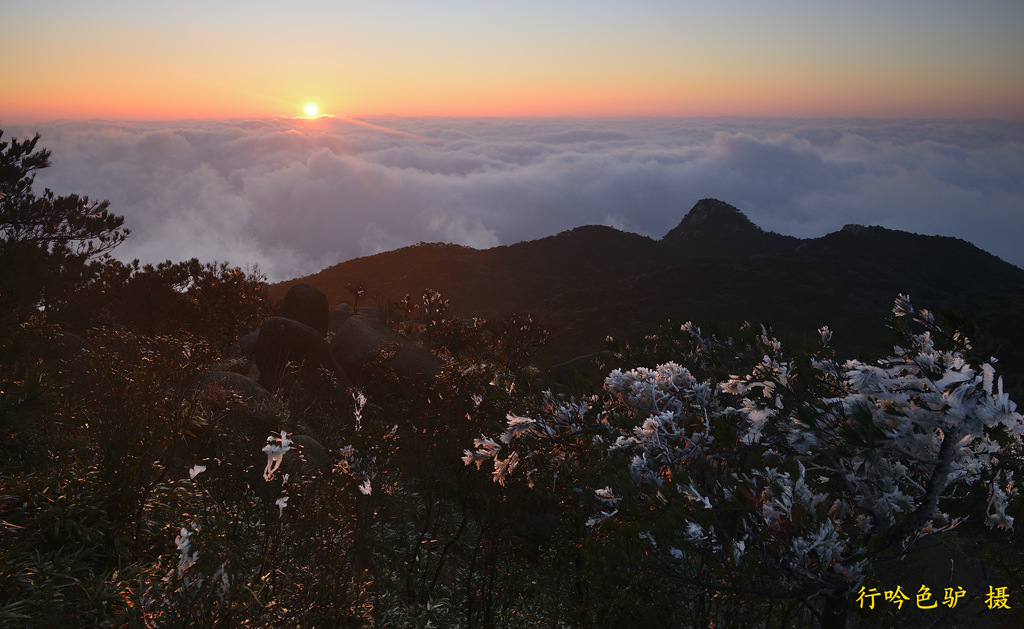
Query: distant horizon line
(339, 117)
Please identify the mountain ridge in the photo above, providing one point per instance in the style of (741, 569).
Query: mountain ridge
(591, 281)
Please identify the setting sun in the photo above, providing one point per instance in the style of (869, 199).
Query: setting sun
(311, 110)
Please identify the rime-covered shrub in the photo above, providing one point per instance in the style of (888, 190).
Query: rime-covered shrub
(789, 478)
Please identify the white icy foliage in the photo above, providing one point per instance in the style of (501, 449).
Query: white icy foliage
(502, 468)
(814, 478)
(185, 559)
(563, 418)
(220, 577)
(940, 417)
(999, 499)
(358, 404)
(606, 495)
(600, 517)
(520, 425)
(674, 411)
(275, 450)
(486, 448)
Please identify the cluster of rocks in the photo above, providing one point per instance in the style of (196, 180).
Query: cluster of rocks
(323, 351)
(341, 342)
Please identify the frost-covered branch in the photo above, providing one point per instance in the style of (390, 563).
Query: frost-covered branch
(794, 469)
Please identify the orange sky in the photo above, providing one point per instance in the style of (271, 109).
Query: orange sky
(117, 60)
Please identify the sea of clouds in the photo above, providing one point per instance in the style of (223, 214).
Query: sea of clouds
(297, 195)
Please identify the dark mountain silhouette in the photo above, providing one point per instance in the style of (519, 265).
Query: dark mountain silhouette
(716, 229)
(716, 265)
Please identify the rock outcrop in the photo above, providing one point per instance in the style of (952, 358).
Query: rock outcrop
(307, 455)
(337, 316)
(715, 229)
(361, 340)
(232, 382)
(282, 341)
(307, 305)
(244, 347)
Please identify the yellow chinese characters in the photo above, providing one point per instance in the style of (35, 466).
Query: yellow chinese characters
(897, 597)
(998, 597)
(923, 596)
(869, 596)
(953, 597)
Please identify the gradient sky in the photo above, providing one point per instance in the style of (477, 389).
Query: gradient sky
(120, 60)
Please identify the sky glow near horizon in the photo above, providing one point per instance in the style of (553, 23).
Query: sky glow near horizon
(193, 59)
(297, 195)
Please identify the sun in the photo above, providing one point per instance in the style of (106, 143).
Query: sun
(311, 110)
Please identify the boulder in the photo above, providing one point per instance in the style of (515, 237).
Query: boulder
(237, 400)
(338, 316)
(244, 347)
(383, 313)
(361, 340)
(283, 340)
(312, 454)
(66, 347)
(308, 305)
(235, 383)
(70, 343)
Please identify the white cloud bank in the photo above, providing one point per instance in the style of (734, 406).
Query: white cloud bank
(296, 196)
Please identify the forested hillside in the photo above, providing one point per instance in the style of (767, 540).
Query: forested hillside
(592, 282)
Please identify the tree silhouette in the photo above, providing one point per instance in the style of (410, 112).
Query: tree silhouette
(45, 240)
(357, 290)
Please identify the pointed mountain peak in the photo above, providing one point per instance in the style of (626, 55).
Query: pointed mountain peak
(715, 229)
(711, 217)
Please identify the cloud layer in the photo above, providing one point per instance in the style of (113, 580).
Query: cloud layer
(297, 195)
